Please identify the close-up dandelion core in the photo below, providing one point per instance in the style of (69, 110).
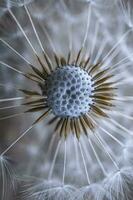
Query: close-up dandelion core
(66, 100)
(72, 93)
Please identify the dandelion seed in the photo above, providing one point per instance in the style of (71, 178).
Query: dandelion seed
(7, 178)
(79, 93)
(48, 190)
(119, 186)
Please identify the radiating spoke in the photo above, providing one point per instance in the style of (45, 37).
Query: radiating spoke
(124, 98)
(12, 68)
(109, 134)
(17, 140)
(54, 160)
(12, 99)
(127, 12)
(48, 37)
(121, 114)
(122, 62)
(10, 107)
(11, 116)
(64, 166)
(76, 154)
(22, 30)
(120, 126)
(95, 38)
(88, 25)
(15, 51)
(50, 147)
(124, 81)
(37, 36)
(105, 150)
(84, 162)
(84, 146)
(34, 29)
(100, 51)
(97, 157)
(117, 44)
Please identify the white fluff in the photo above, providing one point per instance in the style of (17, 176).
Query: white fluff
(48, 190)
(119, 186)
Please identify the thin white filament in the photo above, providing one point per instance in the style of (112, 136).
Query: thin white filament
(87, 175)
(115, 129)
(84, 146)
(69, 29)
(33, 26)
(11, 116)
(106, 151)
(3, 181)
(88, 25)
(122, 114)
(10, 172)
(100, 51)
(17, 140)
(64, 168)
(100, 140)
(9, 107)
(97, 157)
(113, 137)
(109, 134)
(50, 147)
(18, 98)
(125, 98)
(95, 37)
(48, 37)
(14, 50)
(40, 193)
(76, 154)
(12, 68)
(22, 30)
(126, 81)
(117, 44)
(54, 160)
(11, 99)
(121, 127)
(114, 54)
(70, 37)
(124, 65)
(126, 9)
(121, 62)
(35, 31)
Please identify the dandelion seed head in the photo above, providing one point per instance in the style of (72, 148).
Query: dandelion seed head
(76, 81)
(68, 90)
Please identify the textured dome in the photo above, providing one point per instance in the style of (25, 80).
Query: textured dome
(68, 90)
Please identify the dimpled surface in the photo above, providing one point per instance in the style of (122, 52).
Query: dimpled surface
(68, 89)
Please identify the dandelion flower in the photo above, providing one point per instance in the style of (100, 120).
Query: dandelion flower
(72, 81)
